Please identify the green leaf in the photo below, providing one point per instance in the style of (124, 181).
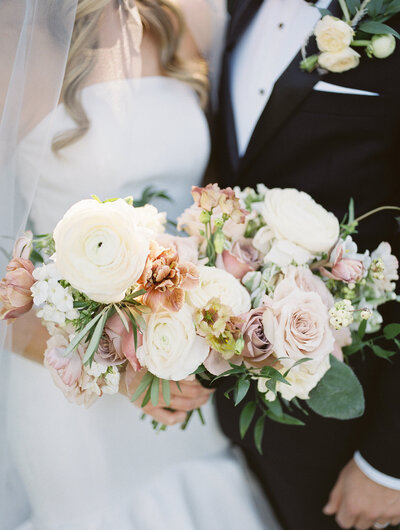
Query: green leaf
(201, 417)
(144, 383)
(246, 417)
(275, 407)
(284, 418)
(375, 8)
(259, 433)
(353, 5)
(79, 336)
(339, 394)
(391, 331)
(380, 352)
(377, 28)
(353, 348)
(200, 370)
(273, 373)
(147, 397)
(242, 387)
(166, 391)
(179, 386)
(155, 388)
(96, 337)
(122, 317)
(361, 329)
(324, 11)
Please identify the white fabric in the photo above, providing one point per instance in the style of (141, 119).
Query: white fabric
(322, 86)
(375, 475)
(103, 467)
(266, 49)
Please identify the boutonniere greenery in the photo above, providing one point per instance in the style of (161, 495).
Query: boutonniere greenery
(362, 27)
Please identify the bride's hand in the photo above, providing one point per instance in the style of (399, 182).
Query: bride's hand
(192, 395)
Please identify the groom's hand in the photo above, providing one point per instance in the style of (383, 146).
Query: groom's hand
(360, 503)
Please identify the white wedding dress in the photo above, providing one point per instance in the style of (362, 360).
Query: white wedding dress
(103, 468)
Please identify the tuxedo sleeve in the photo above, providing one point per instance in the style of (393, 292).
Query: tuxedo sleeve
(374, 474)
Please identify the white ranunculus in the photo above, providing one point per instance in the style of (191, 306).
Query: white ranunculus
(263, 239)
(382, 46)
(340, 61)
(283, 253)
(333, 34)
(294, 216)
(217, 283)
(149, 217)
(303, 378)
(100, 250)
(171, 348)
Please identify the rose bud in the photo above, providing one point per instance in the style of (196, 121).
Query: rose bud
(241, 259)
(15, 289)
(345, 270)
(382, 46)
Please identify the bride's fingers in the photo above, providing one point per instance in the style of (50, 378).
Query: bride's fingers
(190, 391)
(163, 416)
(188, 404)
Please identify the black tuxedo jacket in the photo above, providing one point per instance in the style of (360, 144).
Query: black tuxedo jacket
(333, 146)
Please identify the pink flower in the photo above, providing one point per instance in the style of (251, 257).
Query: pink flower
(186, 247)
(342, 338)
(212, 196)
(344, 269)
(242, 258)
(117, 344)
(257, 348)
(23, 246)
(69, 369)
(309, 282)
(206, 198)
(297, 323)
(15, 289)
(217, 365)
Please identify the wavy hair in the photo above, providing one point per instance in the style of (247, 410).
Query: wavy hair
(162, 18)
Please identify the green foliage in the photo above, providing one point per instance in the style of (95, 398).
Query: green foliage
(144, 384)
(166, 391)
(259, 433)
(155, 388)
(391, 331)
(149, 194)
(339, 394)
(377, 28)
(380, 352)
(246, 417)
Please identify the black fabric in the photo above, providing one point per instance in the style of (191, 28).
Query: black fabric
(333, 146)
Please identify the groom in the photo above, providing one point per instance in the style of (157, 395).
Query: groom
(334, 136)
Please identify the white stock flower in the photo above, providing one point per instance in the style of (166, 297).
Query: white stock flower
(40, 290)
(111, 379)
(149, 217)
(339, 61)
(263, 239)
(283, 253)
(294, 216)
(217, 283)
(171, 348)
(389, 263)
(333, 34)
(100, 250)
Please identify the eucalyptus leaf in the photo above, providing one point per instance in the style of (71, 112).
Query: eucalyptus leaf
(377, 28)
(79, 336)
(144, 383)
(96, 337)
(122, 317)
(339, 394)
(166, 391)
(242, 387)
(147, 397)
(391, 331)
(155, 389)
(246, 417)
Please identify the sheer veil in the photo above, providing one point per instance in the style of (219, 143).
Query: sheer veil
(35, 41)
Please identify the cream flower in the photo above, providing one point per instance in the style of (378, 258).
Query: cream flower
(340, 61)
(149, 217)
(333, 34)
(171, 348)
(217, 283)
(294, 216)
(100, 250)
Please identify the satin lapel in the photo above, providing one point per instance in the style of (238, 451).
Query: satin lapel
(289, 92)
(241, 18)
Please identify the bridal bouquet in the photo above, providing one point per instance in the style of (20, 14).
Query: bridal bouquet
(268, 289)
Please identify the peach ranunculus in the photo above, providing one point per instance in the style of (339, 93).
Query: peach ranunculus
(15, 289)
(117, 344)
(297, 323)
(166, 279)
(186, 247)
(241, 259)
(344, 269)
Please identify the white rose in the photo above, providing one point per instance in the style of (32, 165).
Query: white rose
(340, 61)
(283, 253)
(171, 348)
(149, 217)
(303, 378)
(333, 34)
(382, 46)
(217, 283)
(100, 250)
(262, 239)
(294, 216)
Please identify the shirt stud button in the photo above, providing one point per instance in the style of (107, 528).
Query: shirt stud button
(281, 25)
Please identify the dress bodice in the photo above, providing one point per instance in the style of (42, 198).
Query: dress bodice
(148, 131)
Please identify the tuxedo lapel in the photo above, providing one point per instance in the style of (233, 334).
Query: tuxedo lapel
(289, 92)
(243, 13)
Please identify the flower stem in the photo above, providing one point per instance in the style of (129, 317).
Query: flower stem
(345, 10)
(376, 210)
(360, 43)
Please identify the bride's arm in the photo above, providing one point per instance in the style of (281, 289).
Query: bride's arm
(29, 337)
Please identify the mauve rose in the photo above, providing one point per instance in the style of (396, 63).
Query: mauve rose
(343, 269)
(257, 346)
(15, 289)
(241, 259)
(117, 344)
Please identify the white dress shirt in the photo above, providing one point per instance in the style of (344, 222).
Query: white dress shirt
(267, 47)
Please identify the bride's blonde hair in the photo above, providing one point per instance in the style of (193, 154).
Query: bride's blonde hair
(162, 17)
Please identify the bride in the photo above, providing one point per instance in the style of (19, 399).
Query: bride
(130, 114)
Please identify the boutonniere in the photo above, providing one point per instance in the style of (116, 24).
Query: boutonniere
(363, 26)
